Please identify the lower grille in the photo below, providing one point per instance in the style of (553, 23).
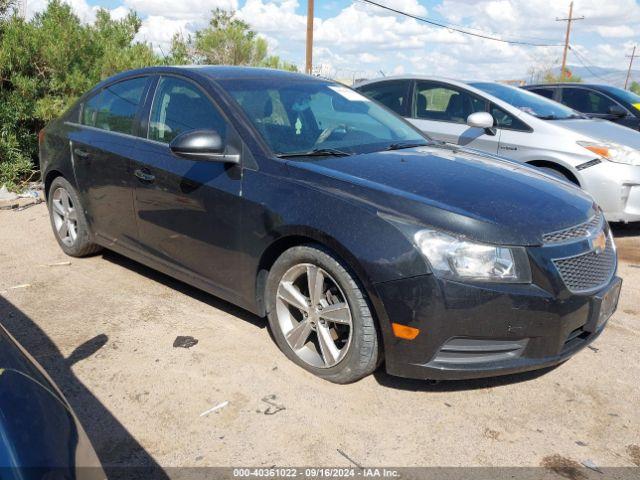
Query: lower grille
(476, 350)
(588, 271)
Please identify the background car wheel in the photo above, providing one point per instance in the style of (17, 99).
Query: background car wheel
(69, 223)
(319, 315)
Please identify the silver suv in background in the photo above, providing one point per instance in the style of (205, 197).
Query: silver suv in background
(601, 157)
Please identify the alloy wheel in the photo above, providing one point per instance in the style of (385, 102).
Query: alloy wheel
(65, 217)
(313, 315)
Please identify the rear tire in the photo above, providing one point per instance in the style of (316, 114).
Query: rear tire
(327, 329)
(69, 223)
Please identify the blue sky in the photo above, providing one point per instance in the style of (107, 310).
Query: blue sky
(358, 40)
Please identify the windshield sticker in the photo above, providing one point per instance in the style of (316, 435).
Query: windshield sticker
(348, 94)
(298, 126)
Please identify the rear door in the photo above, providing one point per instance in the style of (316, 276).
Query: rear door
(441, 110)
(189, 212)
(102, 147)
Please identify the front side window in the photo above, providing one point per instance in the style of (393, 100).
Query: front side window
(115, 107)
(178, 107)
(392, 94)
(586, 101)
(296, 116)
(438, 102)
(527, 101)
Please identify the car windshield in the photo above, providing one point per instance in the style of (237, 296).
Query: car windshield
(528, 102)
(624, 95)
(302, 117)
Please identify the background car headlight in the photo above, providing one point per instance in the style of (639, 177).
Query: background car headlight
(613, 152)
(460, 259)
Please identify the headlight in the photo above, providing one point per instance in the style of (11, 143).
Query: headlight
(613, 152)
(460, 259)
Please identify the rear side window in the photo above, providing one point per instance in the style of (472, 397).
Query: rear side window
(586, 101)
(115, 107)
(545, 92)
(438, 102)
(178, 107)
(392, 94)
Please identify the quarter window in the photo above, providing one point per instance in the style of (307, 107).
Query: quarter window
(545, 92)
(178, 107)
(586, 101)
(507, 121)
(443, 103)
(115, 107)
(392, 95)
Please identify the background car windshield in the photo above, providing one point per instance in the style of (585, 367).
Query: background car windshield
(528, 102)
(624, 95)
(297, 117)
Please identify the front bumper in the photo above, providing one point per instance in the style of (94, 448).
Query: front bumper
(472, 331)
(616, 188)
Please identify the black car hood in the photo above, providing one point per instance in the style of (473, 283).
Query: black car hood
(481, 196)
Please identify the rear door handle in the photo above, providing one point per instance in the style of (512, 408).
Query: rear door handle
(81, 153)
(144, 176)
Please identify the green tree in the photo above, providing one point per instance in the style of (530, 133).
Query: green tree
(551, 77)
(227, 40)
(46, 64)
(635, 87)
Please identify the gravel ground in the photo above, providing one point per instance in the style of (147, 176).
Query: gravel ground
(104, 328)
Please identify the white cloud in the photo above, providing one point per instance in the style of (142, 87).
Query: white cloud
(361, 40)
(622, 31)
(192, 10)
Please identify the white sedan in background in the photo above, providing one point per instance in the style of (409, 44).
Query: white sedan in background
(601, 157)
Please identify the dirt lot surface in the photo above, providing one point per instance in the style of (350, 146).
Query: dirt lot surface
(104, 328)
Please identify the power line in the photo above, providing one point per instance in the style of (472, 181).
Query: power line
(584, 62)
(460, 30)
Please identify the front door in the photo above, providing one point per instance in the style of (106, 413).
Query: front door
(102, 148)
(189, 212)
(441, 110)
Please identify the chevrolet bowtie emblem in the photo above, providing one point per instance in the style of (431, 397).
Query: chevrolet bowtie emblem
(598, 243)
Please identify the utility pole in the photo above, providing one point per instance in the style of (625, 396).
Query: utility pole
(569, 19)
(309, 63)
(631, 57)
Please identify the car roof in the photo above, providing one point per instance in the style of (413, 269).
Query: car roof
(596, 86)
(217, 72)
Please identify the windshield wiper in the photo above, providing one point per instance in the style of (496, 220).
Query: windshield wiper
(400, 146)
(316, 152)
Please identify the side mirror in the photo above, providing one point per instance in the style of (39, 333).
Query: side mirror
(617, 111)
(482, 120)
(203, 145)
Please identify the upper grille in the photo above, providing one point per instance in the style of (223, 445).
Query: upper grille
(588, 271)
(577, 231)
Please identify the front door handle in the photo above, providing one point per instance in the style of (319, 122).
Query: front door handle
(144, 176)
(81, 153)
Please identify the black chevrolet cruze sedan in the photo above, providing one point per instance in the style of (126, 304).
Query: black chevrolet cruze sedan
(359, 238)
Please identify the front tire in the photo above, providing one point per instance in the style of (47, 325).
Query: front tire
(69, 223)
(319, 315)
